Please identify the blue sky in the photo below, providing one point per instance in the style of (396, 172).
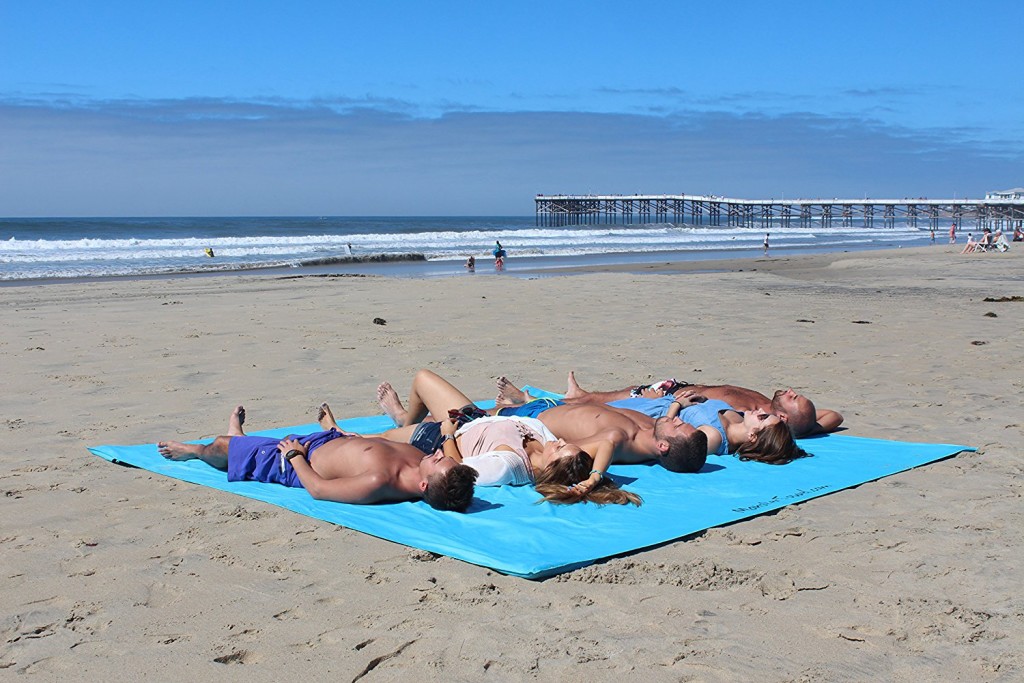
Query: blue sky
(119, 108)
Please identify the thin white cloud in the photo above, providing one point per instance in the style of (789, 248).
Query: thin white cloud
(347, 156)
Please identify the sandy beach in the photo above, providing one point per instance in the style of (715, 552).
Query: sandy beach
(111, 572)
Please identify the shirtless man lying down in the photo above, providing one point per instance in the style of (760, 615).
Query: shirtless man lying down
(796, 410)
(631, 436)
(334, 465)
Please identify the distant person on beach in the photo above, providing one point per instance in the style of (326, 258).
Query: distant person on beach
(766, 236)
(971, 245)
(986, 239)
(471, 264)
(952, 233)
(1018, 234)
(794, 409)
(999, 241)
(933, 235)
(208, 251)
(499, 255)
(348, 248)
(334, 465)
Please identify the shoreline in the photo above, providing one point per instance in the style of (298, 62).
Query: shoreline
(415, 267)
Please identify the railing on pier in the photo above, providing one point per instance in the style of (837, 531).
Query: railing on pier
(557, 210)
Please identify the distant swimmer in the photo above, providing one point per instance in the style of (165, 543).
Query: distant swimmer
(209, 252)
(471, 264)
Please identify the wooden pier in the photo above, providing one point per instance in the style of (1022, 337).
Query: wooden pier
(557, 210)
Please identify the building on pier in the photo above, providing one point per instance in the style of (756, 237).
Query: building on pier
(1015, 193)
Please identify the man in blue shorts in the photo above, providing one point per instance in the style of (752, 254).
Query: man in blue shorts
(335, 466)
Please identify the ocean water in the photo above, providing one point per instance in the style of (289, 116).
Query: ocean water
(55, 248)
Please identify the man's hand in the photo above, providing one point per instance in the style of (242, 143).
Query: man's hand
(448, 427)
(689, 397)
(291, 445)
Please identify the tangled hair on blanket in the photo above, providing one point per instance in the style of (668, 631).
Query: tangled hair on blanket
(452, 490)
(773, 445)
(554, 481)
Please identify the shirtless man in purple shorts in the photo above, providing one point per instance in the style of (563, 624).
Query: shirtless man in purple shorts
(335, 466)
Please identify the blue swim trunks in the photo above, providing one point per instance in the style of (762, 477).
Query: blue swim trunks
(256, 458)
(531, 409)
(652, 407)
(427, 437)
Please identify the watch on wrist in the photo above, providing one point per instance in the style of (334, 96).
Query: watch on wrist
(292, 453)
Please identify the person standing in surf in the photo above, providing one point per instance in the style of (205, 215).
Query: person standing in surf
(499, 255)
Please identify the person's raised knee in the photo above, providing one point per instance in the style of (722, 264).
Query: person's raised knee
(425, 375)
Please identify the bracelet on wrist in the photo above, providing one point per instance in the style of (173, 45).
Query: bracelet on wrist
(599, 473)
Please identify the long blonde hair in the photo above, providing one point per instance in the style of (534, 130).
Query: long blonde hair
(553, 483)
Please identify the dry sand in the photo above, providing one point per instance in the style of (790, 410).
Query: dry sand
(111, 572)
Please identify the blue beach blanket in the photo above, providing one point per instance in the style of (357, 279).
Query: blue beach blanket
(505, 530)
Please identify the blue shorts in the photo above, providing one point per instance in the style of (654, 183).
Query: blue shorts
(652, 407)
(427, 437)
(256, 458)
(531, 409)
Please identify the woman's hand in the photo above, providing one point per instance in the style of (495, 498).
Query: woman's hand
(448, 427)
(587, 485)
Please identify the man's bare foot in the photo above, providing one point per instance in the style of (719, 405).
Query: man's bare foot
(175, 450)
(236, 421)
(389, 402)
(572, 388)
(509, 394)
(326, 418)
